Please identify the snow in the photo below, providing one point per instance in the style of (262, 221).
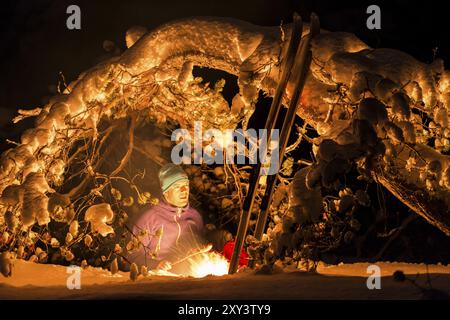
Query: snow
(98, 215)
(345, 281)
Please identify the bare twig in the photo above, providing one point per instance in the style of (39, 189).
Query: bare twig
(298, 141)
(395, 235)
(127, 155)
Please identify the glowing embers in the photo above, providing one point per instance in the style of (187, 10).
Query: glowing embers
(204, 262)
(208, 263)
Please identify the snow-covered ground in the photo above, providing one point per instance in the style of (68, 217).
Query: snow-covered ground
(346, 281)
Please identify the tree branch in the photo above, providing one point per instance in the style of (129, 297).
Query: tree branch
(127, 155)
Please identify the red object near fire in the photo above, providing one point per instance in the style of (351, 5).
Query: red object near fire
(228, 253)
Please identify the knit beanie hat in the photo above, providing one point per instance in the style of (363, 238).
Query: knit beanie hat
(169, 174)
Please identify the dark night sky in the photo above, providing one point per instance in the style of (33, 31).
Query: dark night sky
(36, 45)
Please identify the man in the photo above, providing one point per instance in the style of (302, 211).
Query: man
(172, 227)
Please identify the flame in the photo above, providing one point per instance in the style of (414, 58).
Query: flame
(208, 263)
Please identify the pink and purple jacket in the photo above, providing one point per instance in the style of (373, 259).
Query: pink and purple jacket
(179, 226)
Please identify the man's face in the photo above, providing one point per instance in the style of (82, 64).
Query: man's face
(178, 194)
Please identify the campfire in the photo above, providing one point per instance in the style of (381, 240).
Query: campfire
(208, 263)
